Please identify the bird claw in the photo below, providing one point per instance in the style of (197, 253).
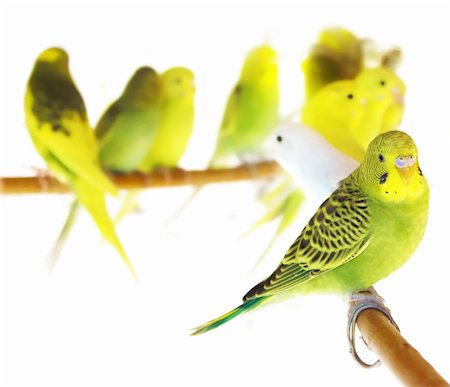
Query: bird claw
(42, 176)
(360, 301)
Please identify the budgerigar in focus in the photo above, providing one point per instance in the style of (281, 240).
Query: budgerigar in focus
(337, 55)
(367, 228)
(251, 113)
(59, 127)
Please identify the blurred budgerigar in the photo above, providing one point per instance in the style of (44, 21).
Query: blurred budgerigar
(287, 200)
(251, 113)
(59, 127)
(316, 166)
(124, 133)
(173, 130)
(367, 228)
(384, 92)
(336, 112)
(128, 126)
(337, 55)
(350, 113)
(176, 120)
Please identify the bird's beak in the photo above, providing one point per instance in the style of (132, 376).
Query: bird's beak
(398, 96)
(406, 166)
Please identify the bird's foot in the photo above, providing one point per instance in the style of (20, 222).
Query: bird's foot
(360, 301)
(42, 176)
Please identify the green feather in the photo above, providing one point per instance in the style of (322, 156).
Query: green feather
(244, 308)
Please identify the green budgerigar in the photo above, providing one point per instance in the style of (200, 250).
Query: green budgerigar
(59, 127)
(127, 128)
(367, 228)
(251, 113)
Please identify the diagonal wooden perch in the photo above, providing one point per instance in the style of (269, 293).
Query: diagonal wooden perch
(395, 352)
(160, 178)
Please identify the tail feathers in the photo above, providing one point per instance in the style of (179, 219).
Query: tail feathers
(94, 202)
(129, 204)
(64, 234)
(185, 204)
(269, 216)
(288, 212)
(244, 308)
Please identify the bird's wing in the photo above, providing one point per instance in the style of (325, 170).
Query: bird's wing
(337, 233)
(73, 147)
(106, 121)
(228, 125)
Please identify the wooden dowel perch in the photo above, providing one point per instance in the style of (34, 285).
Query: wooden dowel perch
(160, 178)
(395, 352)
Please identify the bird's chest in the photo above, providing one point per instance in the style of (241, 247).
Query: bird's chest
(396, 232)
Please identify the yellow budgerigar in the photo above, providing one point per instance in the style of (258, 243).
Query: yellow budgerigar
(176, 120)
(336, 112)
(366, 229)
(173, 130)
(124, 133)
(59, 127)
(384, 92)
(337, 55)
(350, 113)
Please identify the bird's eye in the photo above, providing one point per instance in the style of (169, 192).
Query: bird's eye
(383, 178)
(279, 138)
(382, 83)
(178, 81)
(380, 157)
(350, 96)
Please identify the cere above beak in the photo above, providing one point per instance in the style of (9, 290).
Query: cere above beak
(405, 161)
(405, 165)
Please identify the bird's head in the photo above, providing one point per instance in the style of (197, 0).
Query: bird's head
(390, 170)
(342, 102)
(178, 83)
(260, 64)
(143, 85)
(382, 85)
(53, 59)
(55, 56)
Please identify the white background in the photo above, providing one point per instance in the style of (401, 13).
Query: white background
(87, 323)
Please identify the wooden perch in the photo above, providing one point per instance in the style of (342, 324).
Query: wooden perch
(160, 178)
(395, 352)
